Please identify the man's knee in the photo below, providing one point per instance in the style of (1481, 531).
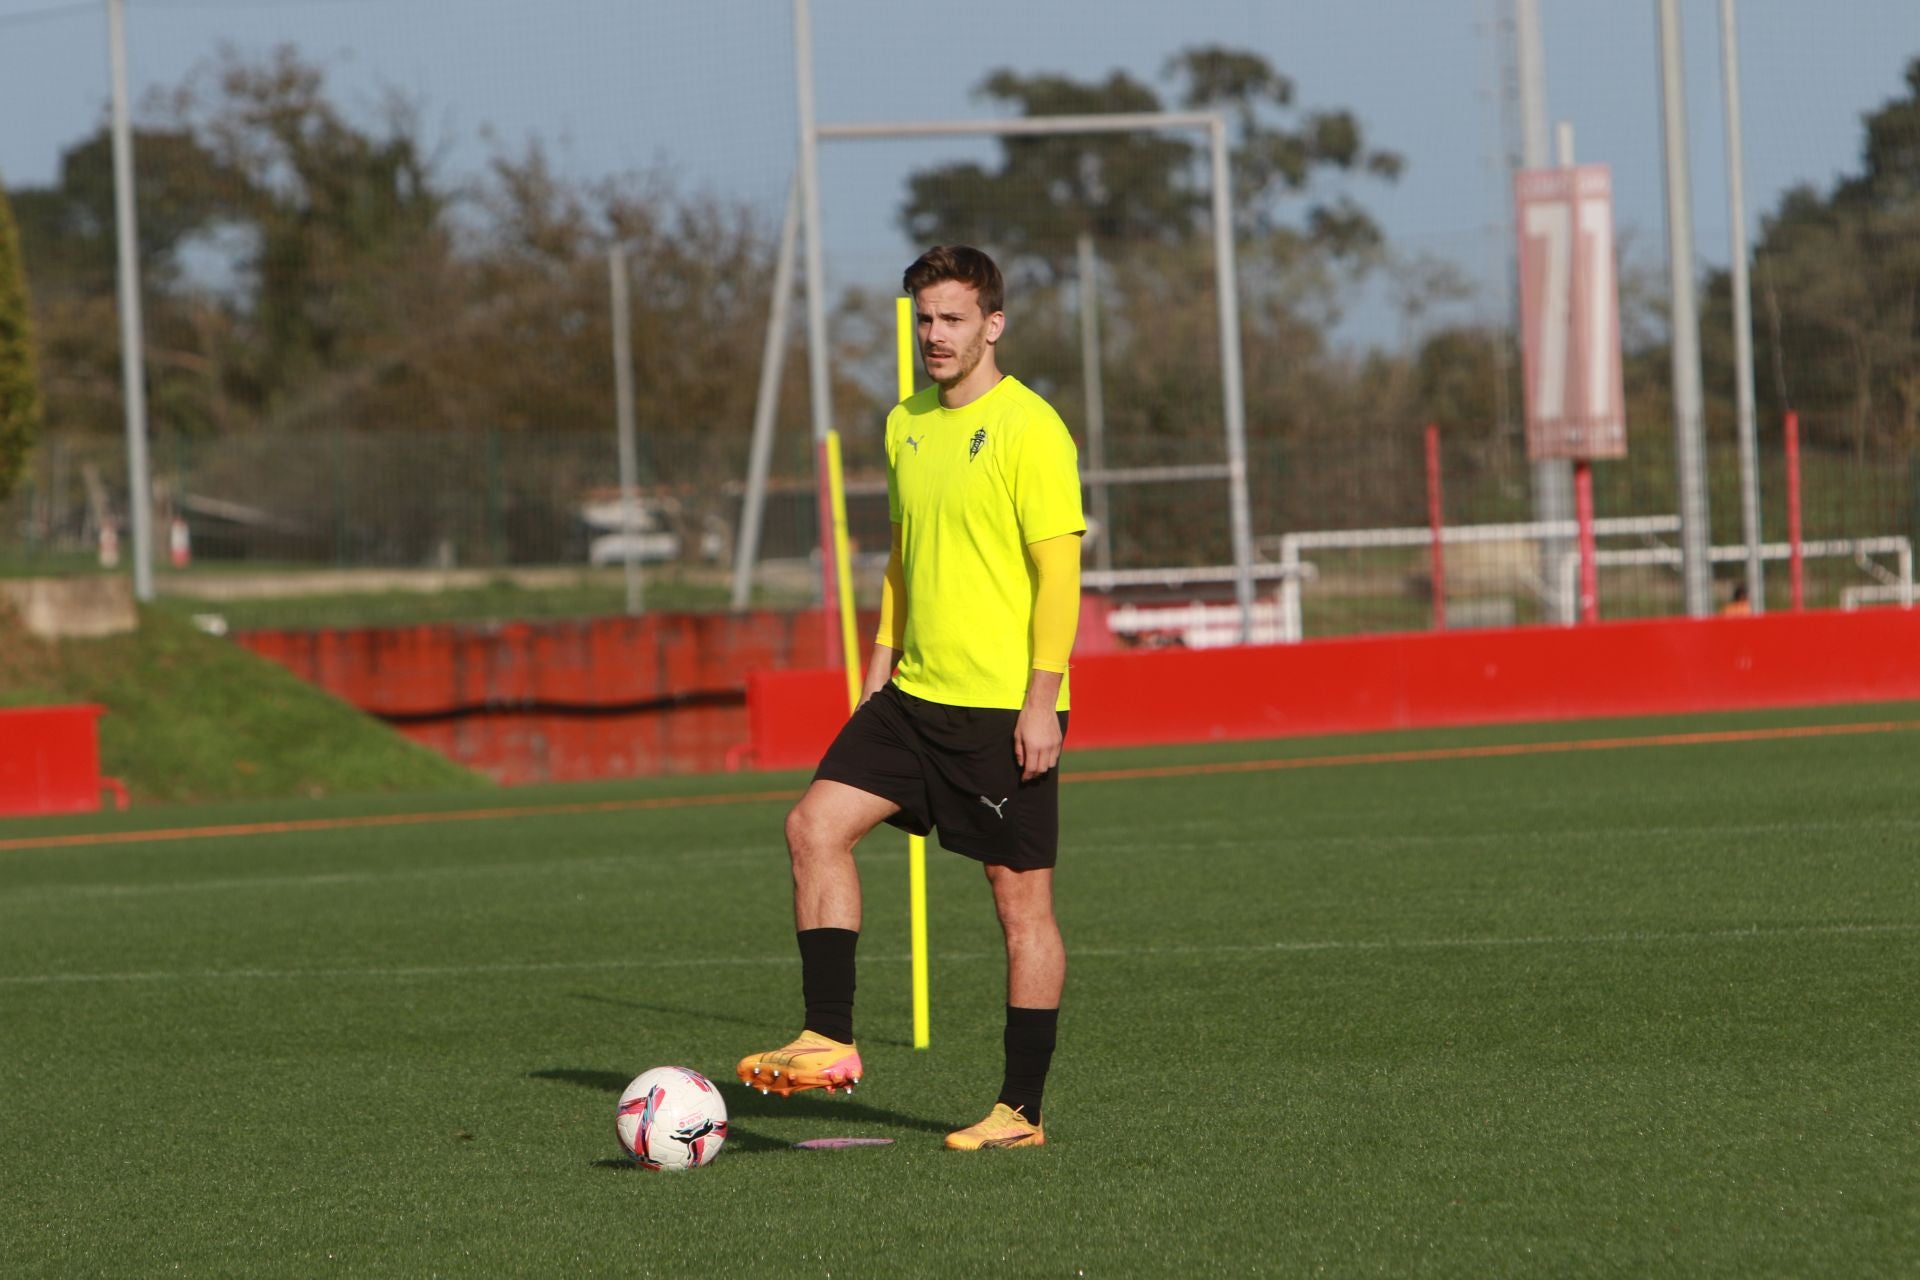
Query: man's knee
(1023, 898)
(816, 826)
(805, 833)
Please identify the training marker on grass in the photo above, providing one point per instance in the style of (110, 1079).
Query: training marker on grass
(834, 1144)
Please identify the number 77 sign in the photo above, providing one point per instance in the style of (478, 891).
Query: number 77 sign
(1570, 313)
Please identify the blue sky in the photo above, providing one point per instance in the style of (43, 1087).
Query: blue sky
(706, 89)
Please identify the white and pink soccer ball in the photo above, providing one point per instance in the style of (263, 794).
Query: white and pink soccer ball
(672, 1118)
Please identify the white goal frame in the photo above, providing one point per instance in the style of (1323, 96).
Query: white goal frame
(1226, 290)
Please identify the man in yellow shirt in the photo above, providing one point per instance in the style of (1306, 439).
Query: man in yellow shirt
(964, 707)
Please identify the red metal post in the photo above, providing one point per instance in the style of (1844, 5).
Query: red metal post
(1583, 513)
(1795, 562)
(829, 583)
(1436, 520)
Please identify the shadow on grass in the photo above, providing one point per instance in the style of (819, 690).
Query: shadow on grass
(745, 1104)
(708, 1015)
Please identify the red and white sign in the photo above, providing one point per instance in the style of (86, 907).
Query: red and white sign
(1570, 313)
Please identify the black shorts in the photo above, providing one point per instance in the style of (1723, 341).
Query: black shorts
(950, 768)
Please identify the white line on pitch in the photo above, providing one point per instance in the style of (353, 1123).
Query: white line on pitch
(770, 850)
(1750, 934)
(339, 879)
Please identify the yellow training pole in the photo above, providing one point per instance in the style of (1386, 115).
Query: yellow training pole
(903, 317)
(916, 845)
(837, 495)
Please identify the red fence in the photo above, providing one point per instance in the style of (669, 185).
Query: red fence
(560, 701)
(1428, 680)
(50, 761)
(687, 693)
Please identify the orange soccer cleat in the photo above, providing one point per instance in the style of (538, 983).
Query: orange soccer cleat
(1003, 1127)
(811, 1062)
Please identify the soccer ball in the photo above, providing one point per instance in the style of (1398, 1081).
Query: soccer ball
(672, 1118)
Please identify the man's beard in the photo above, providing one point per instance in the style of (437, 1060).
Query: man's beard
(966, 360)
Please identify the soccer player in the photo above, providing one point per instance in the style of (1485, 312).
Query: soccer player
(978, 612)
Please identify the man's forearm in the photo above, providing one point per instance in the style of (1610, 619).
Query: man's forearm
(1043, 690)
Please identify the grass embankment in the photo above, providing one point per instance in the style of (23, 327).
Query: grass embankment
(191, 717)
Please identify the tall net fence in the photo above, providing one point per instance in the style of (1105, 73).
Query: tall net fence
(375, 273)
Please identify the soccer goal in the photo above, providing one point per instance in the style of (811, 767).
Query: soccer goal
(1100, 478)
(1889, 586)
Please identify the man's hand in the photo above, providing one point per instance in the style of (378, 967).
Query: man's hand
(1036, 735)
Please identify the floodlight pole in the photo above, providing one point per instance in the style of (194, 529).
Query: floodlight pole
(822, 400)
(1696, 569)
(624, 425)
(1229, 299)
(133, 377)
(753, 503)
(1553, 500)
(1587, 608)
(1742, 315)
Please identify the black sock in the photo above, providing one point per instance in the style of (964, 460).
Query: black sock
(1029, 1042)
(826, 980)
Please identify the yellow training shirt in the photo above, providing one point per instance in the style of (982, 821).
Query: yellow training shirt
(970, 488)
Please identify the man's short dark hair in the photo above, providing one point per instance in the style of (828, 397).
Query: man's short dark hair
(961, 263)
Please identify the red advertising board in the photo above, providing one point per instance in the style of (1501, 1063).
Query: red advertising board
(1570, 313)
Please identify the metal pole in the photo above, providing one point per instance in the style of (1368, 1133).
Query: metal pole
(1552, 477)
(623, 423)
(1589, 556)
(1587, 599)
(1436, 521)
(1530, 64)
(746, 550)
(1090, 373)
(133, 377)
(1226, 286)
(1742, 315)
(1796, 562)
(1696, 568)
(816, 301)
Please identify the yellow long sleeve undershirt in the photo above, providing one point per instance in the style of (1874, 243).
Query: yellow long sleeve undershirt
(1056, 604)
(892, 631)
(1056, 601)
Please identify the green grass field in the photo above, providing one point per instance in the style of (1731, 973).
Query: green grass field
(1642, 1010)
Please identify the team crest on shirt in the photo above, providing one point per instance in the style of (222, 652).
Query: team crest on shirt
(979, 439)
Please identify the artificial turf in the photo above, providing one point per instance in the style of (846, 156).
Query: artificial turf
(1631, 1011)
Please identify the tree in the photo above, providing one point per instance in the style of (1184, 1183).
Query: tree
(1145, 197)
(310, 277)
(342, 217)
(19, 382)
(1149, 186)
(183, 191)
(1837, 294)
(68, 232)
